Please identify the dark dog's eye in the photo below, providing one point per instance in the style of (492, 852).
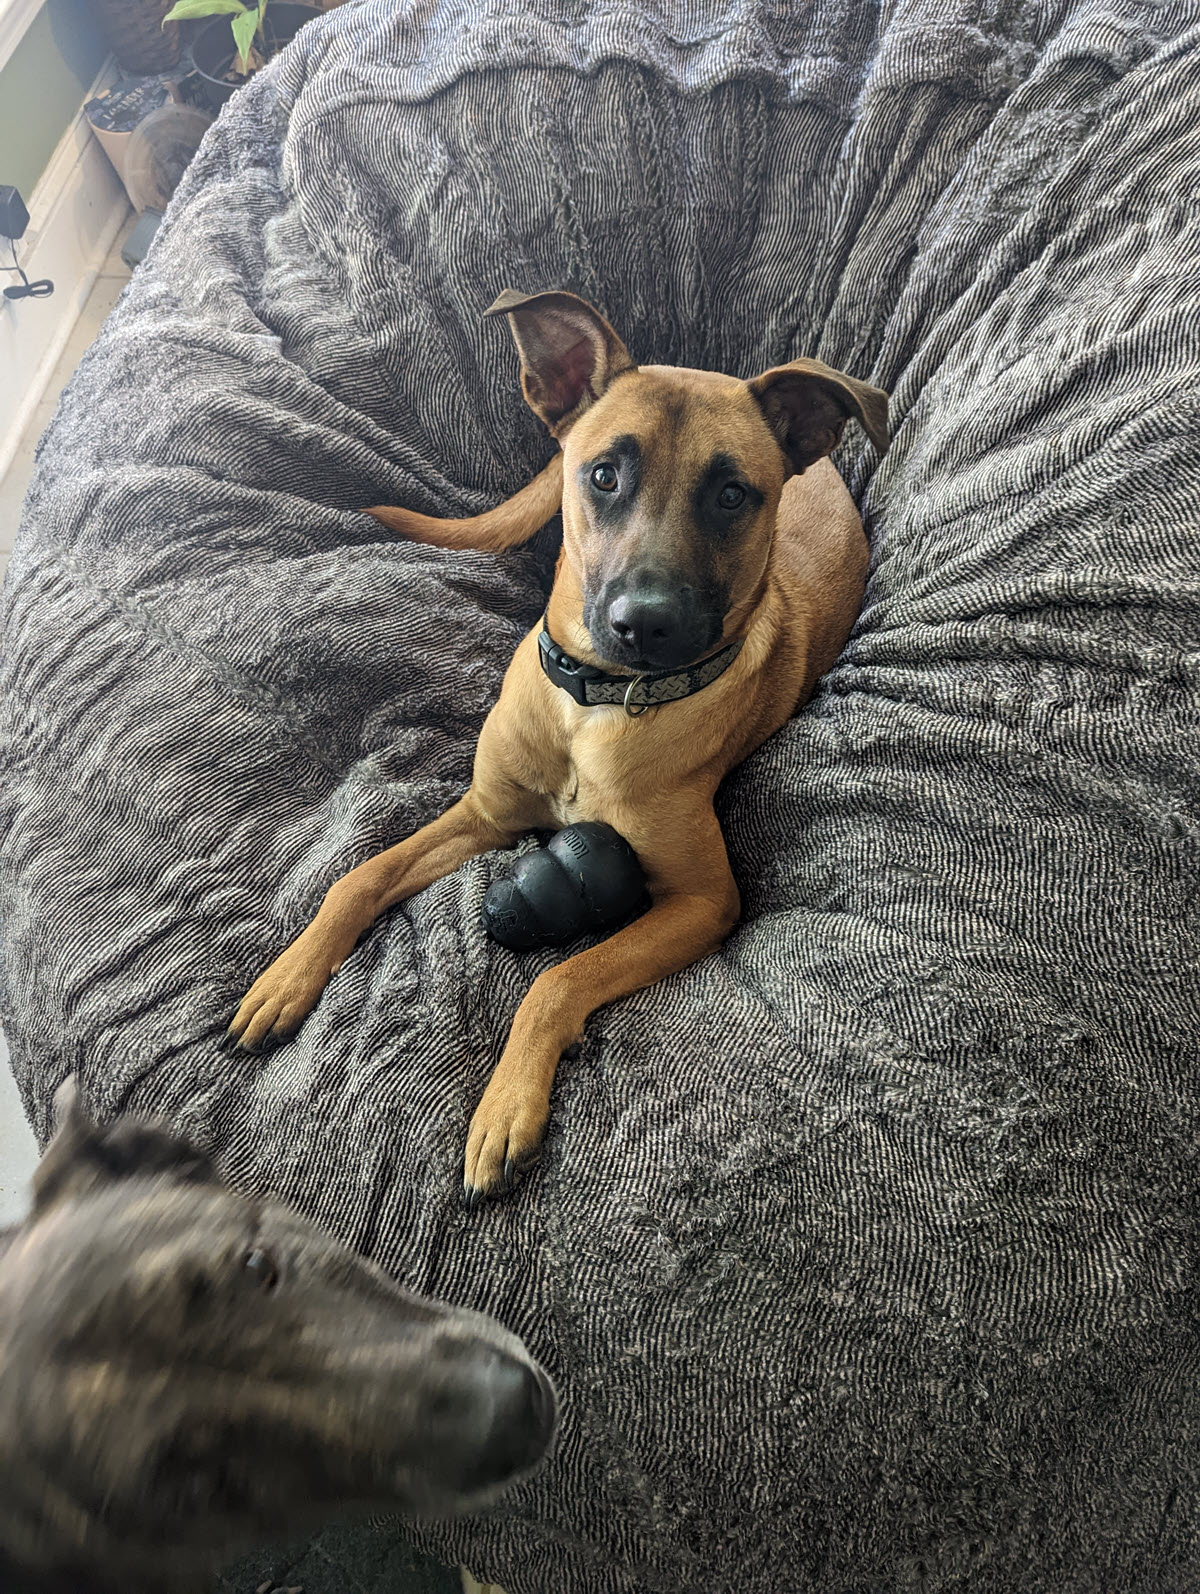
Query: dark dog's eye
(261, 1269)
(605, 478)
(731, 496)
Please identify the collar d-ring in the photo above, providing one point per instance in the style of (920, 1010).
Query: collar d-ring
(634, 709)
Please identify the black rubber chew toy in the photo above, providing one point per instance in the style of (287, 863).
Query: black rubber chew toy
(588, 879)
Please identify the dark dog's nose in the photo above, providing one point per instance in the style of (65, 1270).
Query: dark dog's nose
(647, 622)
(525, 1415)
(651, 618)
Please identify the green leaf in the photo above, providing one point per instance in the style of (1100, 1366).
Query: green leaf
(243, 36)
(185, 10)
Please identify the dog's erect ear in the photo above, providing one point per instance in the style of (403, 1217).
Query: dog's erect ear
(569, 353)
(807, 403)
(83, 1156)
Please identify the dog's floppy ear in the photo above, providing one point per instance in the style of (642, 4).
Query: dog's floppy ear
(807, 403)
(82, 1156)
(569, 353)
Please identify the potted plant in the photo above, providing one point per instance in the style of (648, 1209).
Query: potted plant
(239, 38)
(129, 31)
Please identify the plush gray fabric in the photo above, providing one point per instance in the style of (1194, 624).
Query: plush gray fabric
(865, 1252)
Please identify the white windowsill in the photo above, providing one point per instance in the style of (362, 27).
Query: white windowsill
(15, 17)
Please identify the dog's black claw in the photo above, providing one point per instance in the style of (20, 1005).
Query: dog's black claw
(471, 1197)
(269, 1043)
(510, 1173)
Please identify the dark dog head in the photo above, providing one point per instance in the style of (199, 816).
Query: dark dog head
(184, 1373)
(671, 477)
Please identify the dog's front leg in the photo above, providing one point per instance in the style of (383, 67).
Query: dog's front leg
(694, 907)
(282, 997)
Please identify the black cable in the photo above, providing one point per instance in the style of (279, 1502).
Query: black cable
(27, 290)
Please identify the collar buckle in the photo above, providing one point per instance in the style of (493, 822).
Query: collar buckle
(565, 671)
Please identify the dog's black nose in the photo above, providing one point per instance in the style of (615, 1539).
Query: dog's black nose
(647, 623)
(525, 1416)
(653, 619)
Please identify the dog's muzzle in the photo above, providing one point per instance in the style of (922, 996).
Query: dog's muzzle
(645, 621)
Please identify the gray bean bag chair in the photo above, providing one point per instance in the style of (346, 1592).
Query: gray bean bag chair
(865, 1252)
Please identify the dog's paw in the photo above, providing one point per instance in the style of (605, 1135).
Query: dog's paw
(281, 999)
(505, 1137)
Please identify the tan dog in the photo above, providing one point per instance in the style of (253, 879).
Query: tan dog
(711, 568)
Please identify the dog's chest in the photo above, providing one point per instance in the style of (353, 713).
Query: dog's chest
(591, 780)
(575, 793)
(565, 805)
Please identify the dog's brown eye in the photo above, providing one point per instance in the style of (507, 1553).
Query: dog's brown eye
(605, 478)
(732, 496)
(261, 1269)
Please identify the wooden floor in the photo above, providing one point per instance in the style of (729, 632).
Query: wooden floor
(470, 1586)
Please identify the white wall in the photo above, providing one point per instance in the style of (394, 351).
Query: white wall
(75, 213)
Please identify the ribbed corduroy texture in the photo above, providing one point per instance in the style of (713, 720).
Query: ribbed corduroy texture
(865, 1252)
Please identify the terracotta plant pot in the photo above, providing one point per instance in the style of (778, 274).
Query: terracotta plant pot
(213, 49)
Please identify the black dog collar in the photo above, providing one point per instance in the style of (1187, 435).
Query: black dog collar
(591, 687)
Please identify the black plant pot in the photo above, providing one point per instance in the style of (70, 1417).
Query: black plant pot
(213, 49)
